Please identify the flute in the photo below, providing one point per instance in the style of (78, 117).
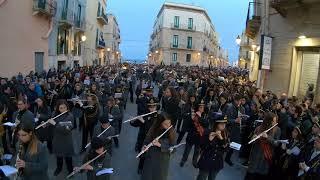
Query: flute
(85, 164)
(98, 136)
(137, 117)
(254, 139)
(151, 144)
(176, 146)
(75, 99)
(49, 119)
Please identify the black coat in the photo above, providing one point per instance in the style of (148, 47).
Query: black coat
(234, 128)
(211, 155)
(170, 106)
(43, 133)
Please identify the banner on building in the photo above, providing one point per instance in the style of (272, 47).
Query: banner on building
(265, 52)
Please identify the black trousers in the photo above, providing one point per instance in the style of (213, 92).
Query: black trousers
(229, 154)
(186, 153)
(204, 175)
(85, 134)
(180, 137)
(141, 163)
(255, 176)
(68, 161)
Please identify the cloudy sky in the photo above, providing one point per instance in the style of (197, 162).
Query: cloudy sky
(136, 18)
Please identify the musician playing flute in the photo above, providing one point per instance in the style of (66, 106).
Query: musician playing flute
(157, 158)
(105, 137)
(91, 114)
(96, 148)
(62, 136)
(212, 150)
(144, 125)
(33, 155)
(261, 155)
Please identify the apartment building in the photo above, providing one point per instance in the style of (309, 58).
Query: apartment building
(25, 27)
(293, 26)
(184, 34)
(113, 40)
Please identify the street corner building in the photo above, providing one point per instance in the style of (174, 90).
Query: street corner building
(184, 34)
(40, 34)
(290, 62)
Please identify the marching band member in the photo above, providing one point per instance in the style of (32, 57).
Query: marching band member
(91, 115)
(32, 160)
(157, 158)
(144, 125)
(310, 162)
(170, 104)
(212, 150)
(260, 159)
(43, 113)
(114, 115)
(105, 137)
(195, 134)
(62, 136)
(76, 110)
(97, 148)
(233, 111)
(290, 157)
(187, 111)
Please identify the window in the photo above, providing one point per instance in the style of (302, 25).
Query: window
(190, 23)
(189, 46)
(174, 57)
(188, 58)
(175, 41)
(176, 22)
(99, 7)
(62, 42)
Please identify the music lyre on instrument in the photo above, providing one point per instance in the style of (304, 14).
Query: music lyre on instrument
(257, 137)
(98, 136)
(151, 144)
(49, 119)
(85, 164)
(137, 117)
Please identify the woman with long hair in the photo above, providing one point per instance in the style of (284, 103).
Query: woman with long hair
(43, 113)
(32, 155)
(62, 136)
(91, 115)
(261, 156)
(157, 158)
(170, 104)
(212, 151)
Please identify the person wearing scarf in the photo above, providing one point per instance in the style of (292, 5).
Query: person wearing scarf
(261, 155)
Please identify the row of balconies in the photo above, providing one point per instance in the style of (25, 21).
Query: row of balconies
(182, 46)
(185, 27)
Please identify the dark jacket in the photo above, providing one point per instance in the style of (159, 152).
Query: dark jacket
(98, 165)
(46, 133)
(36, 165)
(211, 155)
(62, 136)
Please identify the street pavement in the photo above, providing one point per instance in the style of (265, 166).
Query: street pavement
(125, 163)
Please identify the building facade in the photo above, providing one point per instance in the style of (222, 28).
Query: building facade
(94, 46)
(184, 34)
(295, 53)
(113, 40)
(68, 26)
(25, 26)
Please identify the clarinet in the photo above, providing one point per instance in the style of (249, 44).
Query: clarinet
(20, 154)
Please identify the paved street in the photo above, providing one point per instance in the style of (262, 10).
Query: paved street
(125, 164)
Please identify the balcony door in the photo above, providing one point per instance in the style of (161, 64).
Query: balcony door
(38, 64)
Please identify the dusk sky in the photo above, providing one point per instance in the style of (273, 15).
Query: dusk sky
(136, 18)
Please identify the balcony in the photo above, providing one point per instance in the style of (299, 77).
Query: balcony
(183, 27)
(67, 18)
(282, 6)
(80, 25)
(182, 47)
(100, 42)
(44, 7)
(102, 17)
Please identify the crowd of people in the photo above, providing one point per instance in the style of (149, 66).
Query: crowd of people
(210, 107)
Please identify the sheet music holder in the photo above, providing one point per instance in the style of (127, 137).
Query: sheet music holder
(8, 170)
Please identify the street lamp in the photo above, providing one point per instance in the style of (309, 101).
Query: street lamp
(108, 50)
(157, 52)
(83, 38)
(302, 36)
(238, 40)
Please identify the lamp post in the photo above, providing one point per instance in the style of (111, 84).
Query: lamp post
(83, 39)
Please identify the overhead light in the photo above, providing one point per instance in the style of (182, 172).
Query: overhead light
(83, 38)
(108, 49)
(238, 40)
(150, 55)
(157, 52)
(302, 37)
(117, 52)
(199, 54)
